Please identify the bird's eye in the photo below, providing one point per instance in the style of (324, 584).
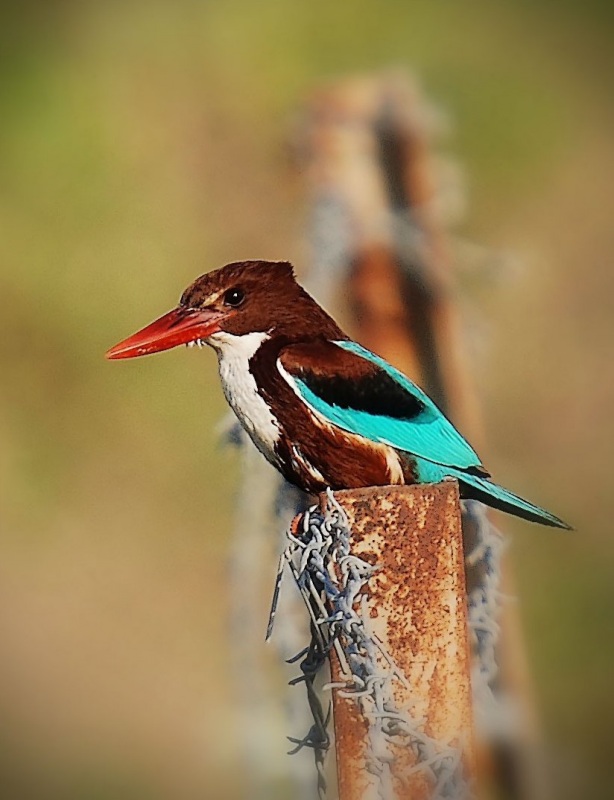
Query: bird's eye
(234, 297)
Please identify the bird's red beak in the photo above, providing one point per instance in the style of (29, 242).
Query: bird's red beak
(179, 326)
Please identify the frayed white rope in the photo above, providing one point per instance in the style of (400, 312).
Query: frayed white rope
(484, 603)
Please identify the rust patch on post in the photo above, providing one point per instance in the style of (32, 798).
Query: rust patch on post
(416, 606)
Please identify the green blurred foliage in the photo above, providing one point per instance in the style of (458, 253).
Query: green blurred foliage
(142, 143)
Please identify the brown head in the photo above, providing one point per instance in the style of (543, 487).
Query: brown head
(240, 298)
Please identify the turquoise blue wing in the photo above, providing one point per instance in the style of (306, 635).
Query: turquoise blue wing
(361, 393)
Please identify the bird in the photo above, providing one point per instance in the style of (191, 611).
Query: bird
(322, 409)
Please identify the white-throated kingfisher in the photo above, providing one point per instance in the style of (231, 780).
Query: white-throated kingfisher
(323, 410)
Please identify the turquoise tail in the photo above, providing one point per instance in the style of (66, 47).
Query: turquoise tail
(475, 488)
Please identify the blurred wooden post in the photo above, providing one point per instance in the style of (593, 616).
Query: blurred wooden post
(415, 606)
(371, 147)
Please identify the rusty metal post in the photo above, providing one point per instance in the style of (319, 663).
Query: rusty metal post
(415, 606)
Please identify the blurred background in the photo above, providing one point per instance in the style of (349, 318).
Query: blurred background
(143, 143)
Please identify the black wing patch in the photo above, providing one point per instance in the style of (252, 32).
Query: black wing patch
(376, 394)
(343, 380)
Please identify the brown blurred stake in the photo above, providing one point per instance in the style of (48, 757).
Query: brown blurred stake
(415, 606)
(369, 143)
(434, 325)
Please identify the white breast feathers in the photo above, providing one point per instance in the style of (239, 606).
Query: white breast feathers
(241, 390)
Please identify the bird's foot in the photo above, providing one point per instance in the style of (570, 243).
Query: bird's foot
(296, 525)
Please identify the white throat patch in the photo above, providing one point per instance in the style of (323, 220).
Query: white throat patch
(240, 389)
